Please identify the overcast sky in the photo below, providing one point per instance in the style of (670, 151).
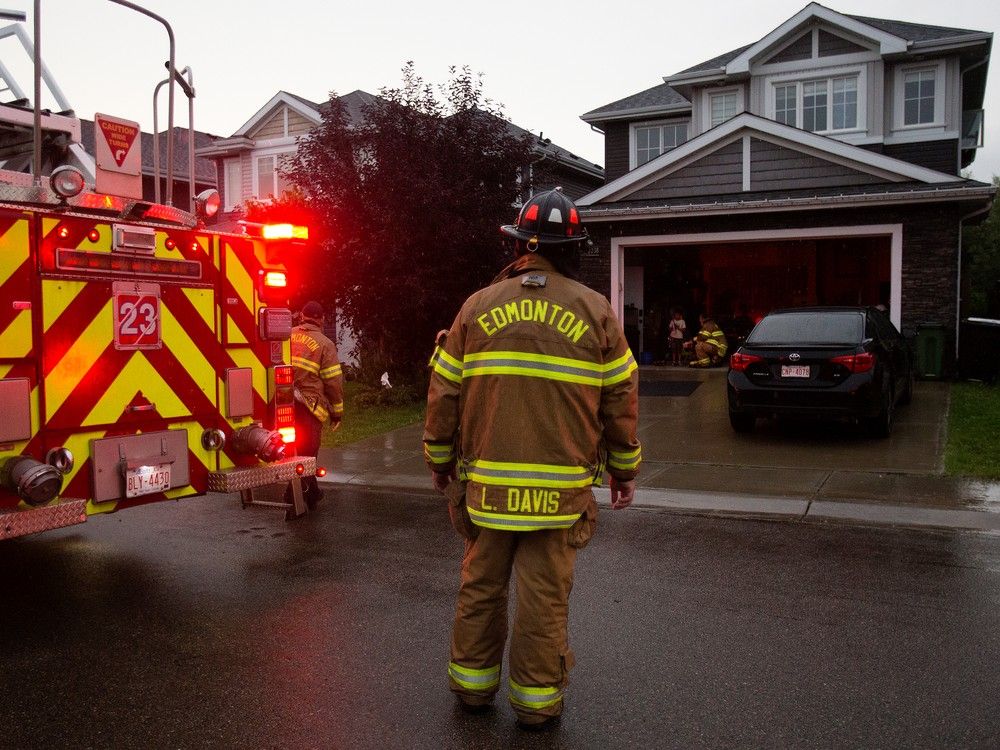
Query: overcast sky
(547, 62)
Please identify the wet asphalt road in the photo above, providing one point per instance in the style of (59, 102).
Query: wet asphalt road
(202, 625)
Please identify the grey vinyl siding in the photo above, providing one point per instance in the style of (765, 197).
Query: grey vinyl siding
(800, 49)
(615, 150)
(876, 98)
(719, 172)
(774, 167)
(574, 184)
(939, 155)
(297, 124)
(272, 127)
(831, 44)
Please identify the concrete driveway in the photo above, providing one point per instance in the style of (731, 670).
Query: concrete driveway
(695, 430)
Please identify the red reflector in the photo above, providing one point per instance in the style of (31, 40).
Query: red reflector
(284, 375)
(93, 235)
(740, 362)
(320, 471)
(81, 260)
(574, 217)
(531, 213)
(300, 469)
(21, 304)
(170, 244)
(275, 279)
(862, 362)
(284, 232)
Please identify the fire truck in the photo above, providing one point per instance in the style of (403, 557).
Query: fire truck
(143, 355)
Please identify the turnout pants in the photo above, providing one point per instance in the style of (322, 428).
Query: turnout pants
(540, 658)
(308, 431)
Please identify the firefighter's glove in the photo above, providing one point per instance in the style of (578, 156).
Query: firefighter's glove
(443, 479)
(459, 514)
(622, 493)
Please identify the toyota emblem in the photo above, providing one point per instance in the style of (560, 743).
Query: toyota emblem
(794, 357)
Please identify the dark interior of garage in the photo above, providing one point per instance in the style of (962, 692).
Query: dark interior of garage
(740, 282)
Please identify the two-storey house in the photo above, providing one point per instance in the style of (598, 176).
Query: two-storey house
(818, 165)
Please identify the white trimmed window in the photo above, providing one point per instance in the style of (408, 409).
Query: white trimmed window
(825, 105)
(919, 92)
(919, 98)
(234, 184)
(724, 107)
(268, 181)
(653, 139)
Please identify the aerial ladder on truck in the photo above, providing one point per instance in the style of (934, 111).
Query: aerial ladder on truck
(143, 355)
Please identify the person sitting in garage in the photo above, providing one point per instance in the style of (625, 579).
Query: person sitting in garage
(710, 345)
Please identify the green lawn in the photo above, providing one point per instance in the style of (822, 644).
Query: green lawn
(361, 422)
(974, 431)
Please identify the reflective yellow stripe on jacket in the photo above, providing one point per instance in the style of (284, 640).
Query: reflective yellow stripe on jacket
(306, 364)
(504, 474)
(519, 522)
(439, 455)
(448, 367)
(625, 461)
(566, 369)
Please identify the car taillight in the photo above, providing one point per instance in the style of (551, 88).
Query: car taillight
(740, 362)
(862, 362)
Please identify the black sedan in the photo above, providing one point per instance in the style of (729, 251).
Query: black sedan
(821, 362)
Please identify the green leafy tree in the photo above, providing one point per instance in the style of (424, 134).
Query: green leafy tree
(408, 203)
(981, 246)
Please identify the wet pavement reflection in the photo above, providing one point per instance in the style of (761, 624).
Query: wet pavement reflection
(198, 624)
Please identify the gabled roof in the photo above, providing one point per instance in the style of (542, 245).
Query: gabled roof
(884, 167)
(306, 108)
(656, 100)
(892, 36)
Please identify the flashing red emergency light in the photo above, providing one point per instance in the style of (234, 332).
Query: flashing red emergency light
(284, 232)
(275, 279)
(284, 375)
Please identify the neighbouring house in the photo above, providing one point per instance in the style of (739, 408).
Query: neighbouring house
(818, 165)
(248, 163)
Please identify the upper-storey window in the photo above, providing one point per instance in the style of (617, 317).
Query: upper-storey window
(918, 96)
(268, 180)
(653, 139)
(823, 105)
(724, 107)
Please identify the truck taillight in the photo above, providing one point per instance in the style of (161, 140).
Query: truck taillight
(284, 375)
(284, 232)
(275, 279)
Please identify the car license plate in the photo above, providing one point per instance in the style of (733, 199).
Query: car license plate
(795, 371)
(144, 480)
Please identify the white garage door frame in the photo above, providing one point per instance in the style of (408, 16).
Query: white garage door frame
(893, 231)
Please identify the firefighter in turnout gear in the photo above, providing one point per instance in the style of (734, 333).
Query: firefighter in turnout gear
(533, 395)
(319, 388)
(710, 345)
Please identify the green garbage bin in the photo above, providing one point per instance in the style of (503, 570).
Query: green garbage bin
(929, 359)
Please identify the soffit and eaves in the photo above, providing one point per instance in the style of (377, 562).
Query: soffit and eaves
(737, 157)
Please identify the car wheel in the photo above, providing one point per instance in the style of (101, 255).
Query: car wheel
(742, 422)
(880, 425)
(907, 395)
